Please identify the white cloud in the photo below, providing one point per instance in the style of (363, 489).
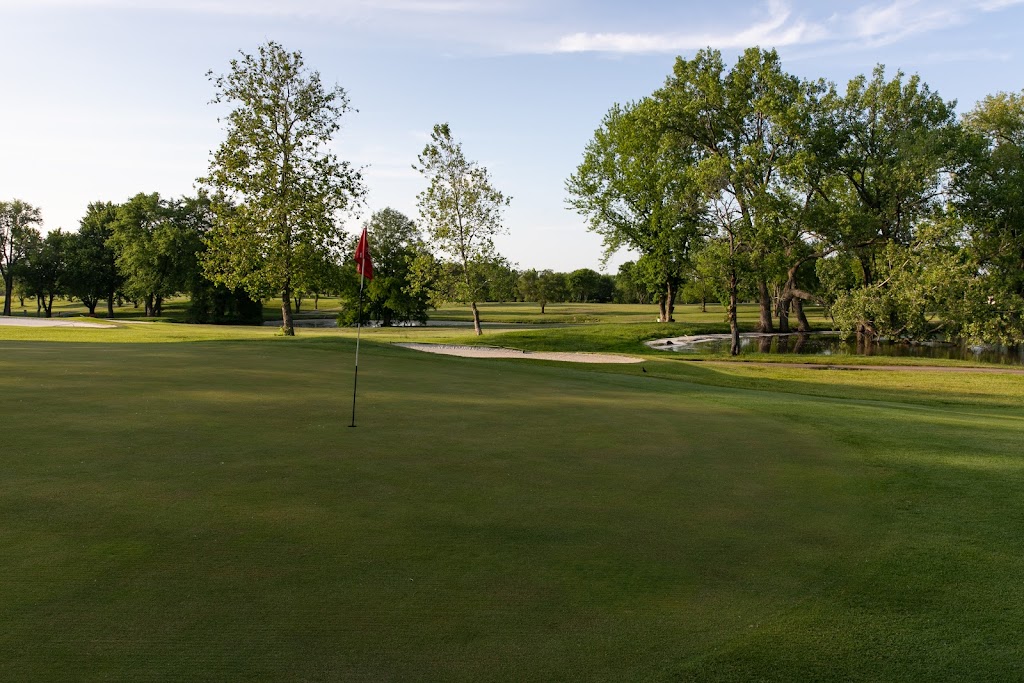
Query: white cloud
(777, 29)
(867, 25)
(995, 5)
(881, 24)
(327, 8)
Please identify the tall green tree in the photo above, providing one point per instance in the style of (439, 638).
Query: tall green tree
(632, 286)
(887, 147)
(284, 190)
(45, 269)
(92, 261)
(989, 194)
(526, 285)
(17, 231)
(502, 279)
(461, 213)
(741, 125)
(157, 244)
(588, 285)
(551, 288)
(636, 187)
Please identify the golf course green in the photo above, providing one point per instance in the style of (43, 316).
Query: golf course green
(190, 503)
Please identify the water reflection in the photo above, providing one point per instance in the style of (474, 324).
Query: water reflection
(824, 345)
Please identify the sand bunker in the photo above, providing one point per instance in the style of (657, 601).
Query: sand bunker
(492, 352)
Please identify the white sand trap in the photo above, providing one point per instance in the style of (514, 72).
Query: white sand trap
(15, 321)
(492, 352)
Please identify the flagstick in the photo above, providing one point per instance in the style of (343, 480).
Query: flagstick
(359, 328)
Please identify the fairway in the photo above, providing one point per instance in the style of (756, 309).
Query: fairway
(201, 511)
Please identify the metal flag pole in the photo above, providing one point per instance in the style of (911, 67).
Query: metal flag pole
(359, 329)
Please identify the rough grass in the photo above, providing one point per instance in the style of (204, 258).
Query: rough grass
(201, 511)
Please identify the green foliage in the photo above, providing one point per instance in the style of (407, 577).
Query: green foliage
(211, 303)
(919, 291)
(92, 261)
(395, 244)
(837, 275)
(278, 189)
(157, 244)
(893, 140)
(526, 285)
(990, 198)
(637, 189)
(742, 127)
(461, 213)
(631, 287)
(45, 268)
(587, 285)
(17, 233)
(502, 280)
(544, 287)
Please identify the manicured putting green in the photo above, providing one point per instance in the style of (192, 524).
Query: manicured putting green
(201, 511)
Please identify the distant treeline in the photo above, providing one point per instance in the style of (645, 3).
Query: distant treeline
(141, 252)
(150, 249)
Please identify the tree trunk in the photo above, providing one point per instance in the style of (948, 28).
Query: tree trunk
(110, 305)
(805, 325)
(91, 305)
(703, 303)
(542, 305)
(672, 288)
(764, 323)
(316, 302)
(8, 289)
(663, 308)
(287, 322)
(47, 305)
(158, 307)
(734, 328)
(785, 302)
(865, 265)
(298, 303)
(149, 306)
(476, 320)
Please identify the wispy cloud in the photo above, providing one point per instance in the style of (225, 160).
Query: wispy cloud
(329, 8)
(994, 5)
(535, 27)
(777, 29)
(868, 25)
(886, 23)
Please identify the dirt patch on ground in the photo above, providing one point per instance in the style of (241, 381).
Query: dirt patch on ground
(494, 352)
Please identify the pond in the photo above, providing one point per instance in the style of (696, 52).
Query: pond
(832, 345)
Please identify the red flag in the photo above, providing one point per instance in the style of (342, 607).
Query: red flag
(364, 265)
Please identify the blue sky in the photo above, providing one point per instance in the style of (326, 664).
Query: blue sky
(106, 98)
